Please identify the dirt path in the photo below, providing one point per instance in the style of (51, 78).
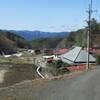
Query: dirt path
(16, 74)
(2, 75)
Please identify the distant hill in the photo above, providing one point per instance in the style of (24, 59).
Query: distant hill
(48, 43)
(10, 41)
(34, 35)
(79, 37)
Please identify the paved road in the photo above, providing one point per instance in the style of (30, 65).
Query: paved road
(83, 87)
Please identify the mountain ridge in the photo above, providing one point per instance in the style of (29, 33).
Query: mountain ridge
(10, 41)
(34, 35)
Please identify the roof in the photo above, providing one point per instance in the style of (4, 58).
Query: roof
(77, 55)
(60, 51)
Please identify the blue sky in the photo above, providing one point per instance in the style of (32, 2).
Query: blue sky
(45, 15)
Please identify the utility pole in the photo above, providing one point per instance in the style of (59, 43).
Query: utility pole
(90, 11)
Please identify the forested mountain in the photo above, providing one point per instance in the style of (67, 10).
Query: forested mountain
(79, 38)
(46, 43)
(34, 35)
(10, 41)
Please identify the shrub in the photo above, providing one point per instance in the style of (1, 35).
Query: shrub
(98, 59)
(65, 64)
(57, 68)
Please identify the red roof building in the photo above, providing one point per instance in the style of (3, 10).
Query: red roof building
(60, 51)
